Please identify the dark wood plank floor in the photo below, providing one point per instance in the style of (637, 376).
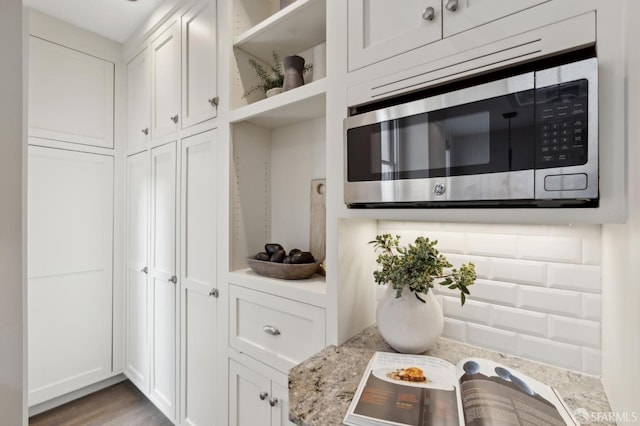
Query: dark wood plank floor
(118, 405)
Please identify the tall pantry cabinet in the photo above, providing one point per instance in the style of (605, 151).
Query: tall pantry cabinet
(171, 293)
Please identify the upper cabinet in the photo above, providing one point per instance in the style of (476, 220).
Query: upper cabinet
(165, 82)
(139, 99)
(71, 95)
(199, 95)
(378, 29)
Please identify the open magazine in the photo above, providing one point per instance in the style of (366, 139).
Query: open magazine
(419, 390)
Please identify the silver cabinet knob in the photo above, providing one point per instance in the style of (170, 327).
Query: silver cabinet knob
(451, 5)
(173, 279)
(175, 119)
(273, 401)
(214, 293)
(214, 101)
(428, 13)
(271, 330)
(145, 270)
(263, 395)
(146, 131)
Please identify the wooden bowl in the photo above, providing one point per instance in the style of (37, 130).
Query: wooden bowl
(284, 271)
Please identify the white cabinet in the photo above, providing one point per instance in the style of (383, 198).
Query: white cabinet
(198, 280)
(137, 284)
(379, 29)
(70, 283)
(163, 280)
(165, 82)
(139, 100)
(71, 95)
(199, 96)
(256, 400)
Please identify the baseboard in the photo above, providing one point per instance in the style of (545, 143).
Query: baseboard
(61, 400)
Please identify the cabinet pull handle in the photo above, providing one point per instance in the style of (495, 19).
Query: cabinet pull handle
(451, 5)
(214, 101)
(146, 131)
(273, 402)
(263, 395)
(173, 279)
(214, 293)
(175, 119)
(145, 270)
(429, 13)
(271, 330)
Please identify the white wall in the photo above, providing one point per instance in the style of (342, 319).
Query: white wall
(12, 338)
(621, 257)
(538, 289)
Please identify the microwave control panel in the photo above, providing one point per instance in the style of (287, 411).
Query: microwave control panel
(562, 138)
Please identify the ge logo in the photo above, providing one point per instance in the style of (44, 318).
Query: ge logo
(581, 415)
(439, 189)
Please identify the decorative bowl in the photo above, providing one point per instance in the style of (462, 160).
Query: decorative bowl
(284, 271)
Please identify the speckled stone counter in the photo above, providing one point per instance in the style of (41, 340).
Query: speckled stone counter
(321, 388)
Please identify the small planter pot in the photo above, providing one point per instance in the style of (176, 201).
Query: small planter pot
(273, 92)
(407, 324)
(293, 69)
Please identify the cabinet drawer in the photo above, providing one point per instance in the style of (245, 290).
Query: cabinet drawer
(277, 331)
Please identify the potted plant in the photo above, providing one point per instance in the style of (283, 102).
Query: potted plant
(412, 324)
(271, 79)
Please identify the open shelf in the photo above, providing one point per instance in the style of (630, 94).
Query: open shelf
(295, 28)
(312, 291)
(296, 105)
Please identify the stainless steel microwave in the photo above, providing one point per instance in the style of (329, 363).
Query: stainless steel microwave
(529, 139)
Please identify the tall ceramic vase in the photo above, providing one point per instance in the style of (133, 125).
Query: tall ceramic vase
(407, 324)
(293, 69)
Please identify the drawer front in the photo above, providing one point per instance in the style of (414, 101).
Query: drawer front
(277, 331)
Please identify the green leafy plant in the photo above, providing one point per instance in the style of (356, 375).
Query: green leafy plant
(271, 77)
(419, 266)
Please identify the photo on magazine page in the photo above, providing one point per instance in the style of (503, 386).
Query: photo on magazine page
(399, 389)
(495, 395)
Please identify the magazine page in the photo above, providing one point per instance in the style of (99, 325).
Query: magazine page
(495, 395)
(400, 389)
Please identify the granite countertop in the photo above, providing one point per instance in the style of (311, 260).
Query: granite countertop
(321, 388)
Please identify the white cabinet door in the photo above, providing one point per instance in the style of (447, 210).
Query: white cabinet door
(162, 270)
(199, 48)
(380, 29)
(249, 392)
(472, 13)
(70, 246)
(198, 272)
(280, 411)
(138, 100)
(70, 95)
(137, 287)
(165, 82)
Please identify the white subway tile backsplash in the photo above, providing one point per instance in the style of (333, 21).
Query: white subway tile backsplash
(576, 331)
(584, 278)
(496, 245)
(555, 301)
(591, 361)
(519, 271)
(550, 352)
(494, 292)
(492, 338)
(538, 292)
(592, 307)
(552, 249)
(519, 320)
(471, 311)
(454, 329)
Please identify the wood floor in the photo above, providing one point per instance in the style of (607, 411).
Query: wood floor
(121, 404)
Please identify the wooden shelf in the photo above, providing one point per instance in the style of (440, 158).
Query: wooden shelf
(312, 291)
(299, 104)
(292, 30)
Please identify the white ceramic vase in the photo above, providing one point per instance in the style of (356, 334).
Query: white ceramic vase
(407, 324)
